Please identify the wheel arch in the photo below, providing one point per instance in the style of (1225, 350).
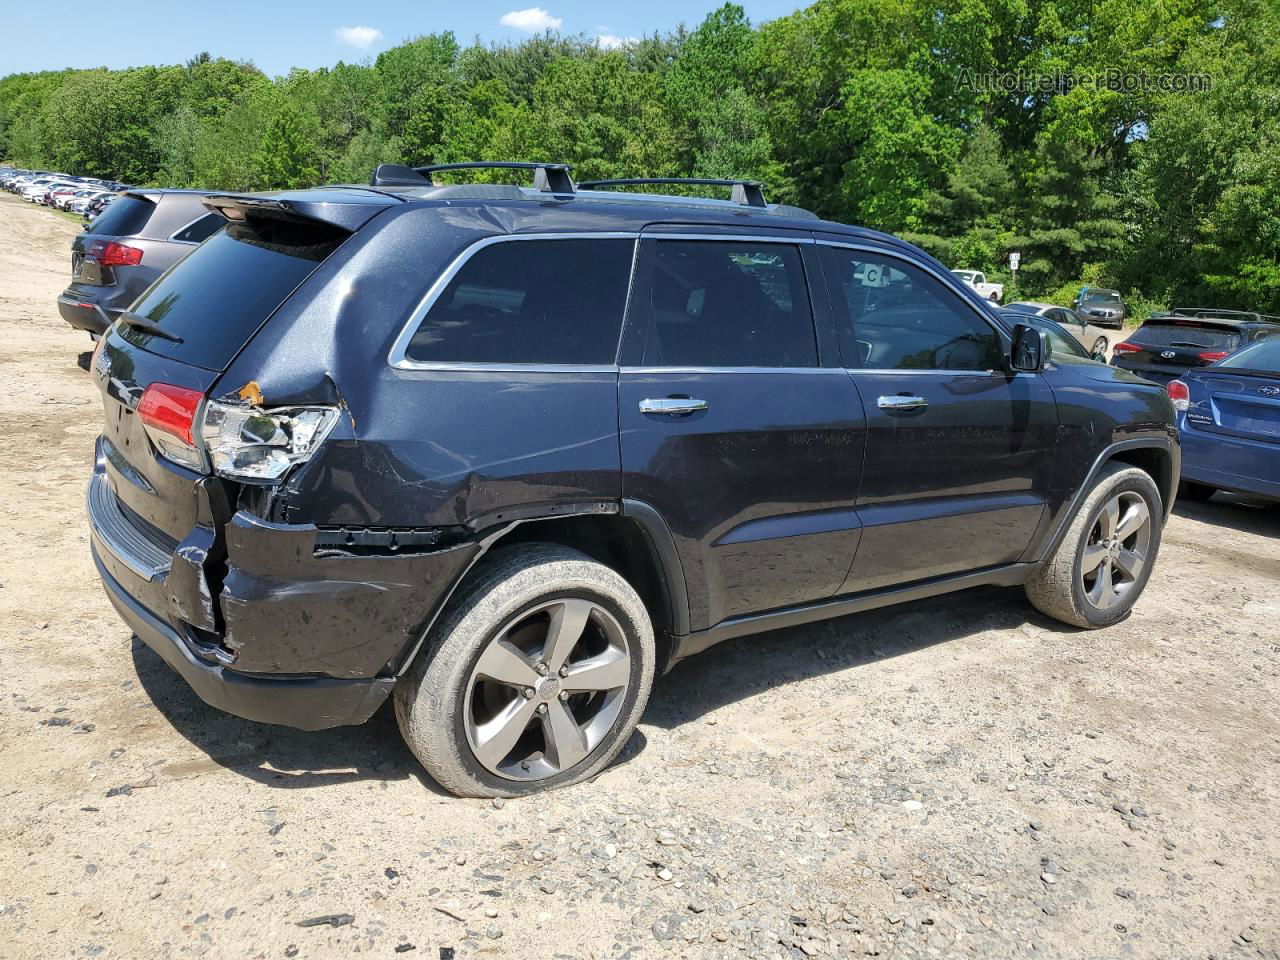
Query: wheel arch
(1157, 456)
(631, 538)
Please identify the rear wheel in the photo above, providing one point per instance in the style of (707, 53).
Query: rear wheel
(1199, 492)
(1102, 564)
(539, 671)
(1099, 346)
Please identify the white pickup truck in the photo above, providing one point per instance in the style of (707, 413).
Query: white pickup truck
(978, 280)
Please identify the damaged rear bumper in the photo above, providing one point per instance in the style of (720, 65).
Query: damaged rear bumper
(258, 619)
(309, 703)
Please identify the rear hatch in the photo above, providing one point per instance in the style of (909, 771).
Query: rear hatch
(184, 331)
(1165, 348)
(1241, 399)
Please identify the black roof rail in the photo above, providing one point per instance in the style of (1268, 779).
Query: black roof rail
(748, 193)
(1207, 312)
(547, 177)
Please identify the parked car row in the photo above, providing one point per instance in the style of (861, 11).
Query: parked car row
(88, 196)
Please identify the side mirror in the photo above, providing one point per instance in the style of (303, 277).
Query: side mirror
(1030, 349)
(1099, 355)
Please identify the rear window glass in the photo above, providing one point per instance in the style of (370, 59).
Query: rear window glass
(1263, 355)
(530, 301)
(1186, 335)
(126, 216)
(214, 299)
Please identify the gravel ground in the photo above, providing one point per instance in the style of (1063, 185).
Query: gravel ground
(958, 777)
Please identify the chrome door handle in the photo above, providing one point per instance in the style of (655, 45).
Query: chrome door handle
(673, 406)
(902, 403)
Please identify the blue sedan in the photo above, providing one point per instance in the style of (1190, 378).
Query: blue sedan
(1229, 423)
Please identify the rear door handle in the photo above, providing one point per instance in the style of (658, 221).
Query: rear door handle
(902, 403)
(672, 406)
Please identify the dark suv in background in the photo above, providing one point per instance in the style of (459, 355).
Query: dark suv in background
(509, 453)
(1168, 345)
(138, 237)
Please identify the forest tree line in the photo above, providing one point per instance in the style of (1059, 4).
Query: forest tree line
(887, 113)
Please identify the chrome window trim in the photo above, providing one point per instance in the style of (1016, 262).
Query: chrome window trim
(398, 360)
(688, 370)
(730, 237)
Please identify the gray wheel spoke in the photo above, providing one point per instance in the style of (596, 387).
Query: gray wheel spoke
(1134, 519)
(568, 620)
(1093, 555)
(606, 671)
(565, 744)
(1130, 563)
(504, 663)
(1109, 518)
(495, 738)
(1103, 593)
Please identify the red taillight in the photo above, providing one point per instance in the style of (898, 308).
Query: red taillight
(171, 410)
(111, 254)
(1212, 356)
(1125, 347)
(1178, 393)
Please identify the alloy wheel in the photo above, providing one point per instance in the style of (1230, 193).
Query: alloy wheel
(547, 689)
(1116, 551)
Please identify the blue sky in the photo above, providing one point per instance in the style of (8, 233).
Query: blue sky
(278, 35)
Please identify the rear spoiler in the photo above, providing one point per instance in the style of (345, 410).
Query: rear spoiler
(319, 206)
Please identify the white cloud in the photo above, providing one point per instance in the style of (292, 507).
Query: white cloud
(533, 20)
(610, 41)
(361, 37)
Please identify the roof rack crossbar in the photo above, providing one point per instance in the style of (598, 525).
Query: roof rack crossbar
(547, 177)
(1208, 312)
(747, 193)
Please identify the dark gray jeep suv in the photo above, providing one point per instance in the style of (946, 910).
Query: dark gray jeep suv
(509, 453)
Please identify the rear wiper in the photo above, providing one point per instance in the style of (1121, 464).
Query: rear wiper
(1187, 343)
(147, 325)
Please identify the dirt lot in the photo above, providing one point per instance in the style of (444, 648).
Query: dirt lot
(958, 777)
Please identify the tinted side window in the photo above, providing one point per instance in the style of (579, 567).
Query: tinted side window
(904, 319)
(202, 229)
(728, 304)
(530, 301)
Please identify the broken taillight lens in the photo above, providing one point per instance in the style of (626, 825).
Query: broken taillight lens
(249, 443)
(1178, 393)
(168, 414)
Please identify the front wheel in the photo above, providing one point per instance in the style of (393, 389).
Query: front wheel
(1098, 571)
(1099, 346)
(539, 671)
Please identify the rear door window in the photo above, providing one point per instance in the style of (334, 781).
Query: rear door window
(126, 216)
(530, 302)
(733, 303)
(215, 299)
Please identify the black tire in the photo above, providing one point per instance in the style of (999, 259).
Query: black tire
(1059, 589)
(432, 698)
(1196, 492)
